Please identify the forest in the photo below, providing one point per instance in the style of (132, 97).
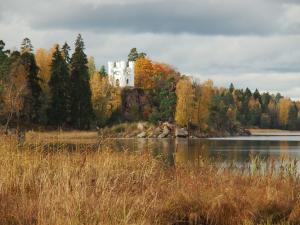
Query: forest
(57, 88)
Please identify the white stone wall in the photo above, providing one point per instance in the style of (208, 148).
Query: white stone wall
(120, 74)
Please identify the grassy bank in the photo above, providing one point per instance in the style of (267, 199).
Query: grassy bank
(105, 187)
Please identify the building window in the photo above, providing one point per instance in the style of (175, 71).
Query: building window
(127, 81)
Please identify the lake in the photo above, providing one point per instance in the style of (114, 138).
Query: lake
(268, 145)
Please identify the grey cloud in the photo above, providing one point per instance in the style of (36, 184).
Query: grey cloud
(229, 17)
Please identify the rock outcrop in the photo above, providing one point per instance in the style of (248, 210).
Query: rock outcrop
(181, 132)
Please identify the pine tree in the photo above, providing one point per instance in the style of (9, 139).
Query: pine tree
(133, 55)
(231, 88)
(81, 106)
(33, 100)
(26, 46)
(103, 71)
(59, 83)
(65, 53)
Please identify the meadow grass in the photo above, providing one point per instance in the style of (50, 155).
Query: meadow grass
(107, 187)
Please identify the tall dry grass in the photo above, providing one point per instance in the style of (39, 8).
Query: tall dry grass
(106, 187)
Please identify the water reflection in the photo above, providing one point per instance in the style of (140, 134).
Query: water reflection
(193, 151)
(190, 151)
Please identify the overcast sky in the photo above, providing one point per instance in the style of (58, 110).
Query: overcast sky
(252, 43)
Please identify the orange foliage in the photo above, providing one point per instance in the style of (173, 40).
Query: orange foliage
(144, 73)
(166, 71)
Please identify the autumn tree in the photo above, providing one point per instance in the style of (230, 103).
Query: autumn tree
(201, 112)
(254, 111)
(15, 90)
(81, 107)
(185, 102)
(284, 109)
(43, 60)
(144, 76)
(91, 66)
(59, 84)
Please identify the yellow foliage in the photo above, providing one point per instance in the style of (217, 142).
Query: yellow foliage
(43, 59)
(201, 111)
(284, 108)
(185, 102)
(105, 98)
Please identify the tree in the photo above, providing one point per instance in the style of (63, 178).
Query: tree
(164, 99)
(102, 71)
(43, 60)
(65, 53)
(32, 105)
(15, 91)
(4, 70)
(185, 102)
(203, 101)
(284, 109)
(81, 108)
(293, 117)
(26, 46)
(91, 66)
(59, 107)
(273, 112)
(231, 88)
(144, 74)
(254, 111)
(133, 55)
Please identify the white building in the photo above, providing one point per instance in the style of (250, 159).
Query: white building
(121, 73)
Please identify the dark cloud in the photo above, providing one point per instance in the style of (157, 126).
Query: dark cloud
(206, 17)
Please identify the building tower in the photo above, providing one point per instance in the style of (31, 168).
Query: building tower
(121, 73)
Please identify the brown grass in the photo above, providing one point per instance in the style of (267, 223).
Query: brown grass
(106, 187)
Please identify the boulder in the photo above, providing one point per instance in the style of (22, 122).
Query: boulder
(157, 131)
(141, 126)
(181, 132)
(142, 135)
(165, 132)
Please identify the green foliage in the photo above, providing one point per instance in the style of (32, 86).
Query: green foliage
(33, 100)
(81, 106)
(154, 117)
(59, 84)
(134, 55)
(164, 99)
(102, 71)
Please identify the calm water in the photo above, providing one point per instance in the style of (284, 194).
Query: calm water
(236, 149)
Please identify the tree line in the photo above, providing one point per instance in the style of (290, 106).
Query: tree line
(55, 88)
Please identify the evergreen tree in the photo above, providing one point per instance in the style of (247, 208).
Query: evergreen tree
(65, 53)
(293, 117)
(33, 100)
(81, 106)
(133, 55)
(4, 62)
(103, 71)
(231, 88)
(59, 84)
(26, 46)
(257, 95)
